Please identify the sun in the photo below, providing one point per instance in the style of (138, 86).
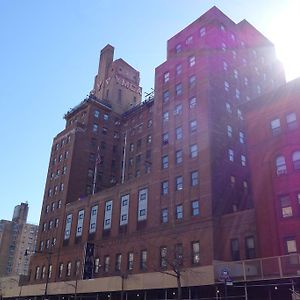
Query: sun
(286, 37)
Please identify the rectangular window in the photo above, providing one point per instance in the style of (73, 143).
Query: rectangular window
(165, 162)
(166, 116)
(107, 215)
(106, 263)
(243, 160)
(165, 187)
(229, 131)
(192, 81)
(165, 138)
(179, 212)
(202, 31)
(96, 114)
(130, 261)
(164, 215)
(179, 183)
(95, 128)
(178, 157)
(166, 77)
(80, 220)
(226, 86)
(291, 120)
(178, 69)
(275, 126)
(194, 178)
(178, 133)
(193, 102)
(230, 155)
(235, 249)
(242, 137)
(193, 126)
(250, 247)
(143, 264)
(163, 257)
(178, 89)
(195, 208)
(142, 204)
(96, 265)
(192, 61)
(68, 227)
(124, 203)
(166, 96)
(291, 245)
(193, 151)
(195, 252)
(178, 110)
(118, 262)
(228, 107)
(286, 206)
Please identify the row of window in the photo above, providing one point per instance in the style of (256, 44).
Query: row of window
(230, 134)
(290, 120)
(63, 141)
(49, 243)
(231, 157)
(53, 206)
(60, 157)
(194, 181)
(107, 221)
(195, 211)
(281, 166)
(249, 248)
(56, 175)
(54, 191)
(51, 224)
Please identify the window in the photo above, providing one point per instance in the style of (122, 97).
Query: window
(107, 215)
(50, 271)
(60, 270)
(275, 126)
(130, 261)
(229, 131)
(149, 124)
(286, 206)
(166, 77)
(193, 126)
(165, 162)
(149, 139)
(179, 212)
(189, 40)
(143, 263)
(193, 102)
(296, 160)
(291, 245)
(230, 155)
(164, 215)
(243, 160)
(37, 273)
(223, 47)
(43, 272)
(142, 204)
(178, 110)
(202, 31)
(193, 151)
(240, 115)
(68, 227)
(179, 183)
(104, 130)
(225, 66)
(192, 61)
(192, 81)
(164, 187)
(178, 69)
(96, 114)
(178, 48)
(235, 249)
(179, 254)
(124, 209)
(163, 257)
(79, 223)
(237, 93)
(228, 107)
(242, 137)
(178, 133)
(96, 265)
(69, 267)
(178, 89)
(166, 116)
(195, 252)
(258, 88)
(95, 128)
(118, 262)
(280, 165)
(235, 74)
(233, 54)
(178, 157)
(93, 219)
(226, 86)
(250, 247)
(165, 138)
(194, 178)
(105, 117)
(166, 96)
(195, 208)
(106, 263)
(291, 120)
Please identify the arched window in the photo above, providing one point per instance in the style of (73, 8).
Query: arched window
(280, 165)
(296, 160)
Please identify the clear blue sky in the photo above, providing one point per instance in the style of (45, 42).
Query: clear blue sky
(49, 55)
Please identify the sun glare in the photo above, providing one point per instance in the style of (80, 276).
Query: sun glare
(286, 37)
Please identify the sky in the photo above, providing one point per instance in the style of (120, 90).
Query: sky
(49, 55)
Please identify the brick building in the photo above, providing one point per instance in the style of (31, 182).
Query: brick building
(138, 188)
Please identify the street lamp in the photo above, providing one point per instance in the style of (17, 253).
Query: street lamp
(47, 274)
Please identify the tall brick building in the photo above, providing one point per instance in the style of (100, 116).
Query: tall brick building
(136, 187)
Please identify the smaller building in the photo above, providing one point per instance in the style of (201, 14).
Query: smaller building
(273, 132)
(16, 237)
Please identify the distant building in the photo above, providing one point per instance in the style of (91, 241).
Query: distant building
(16, 237)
